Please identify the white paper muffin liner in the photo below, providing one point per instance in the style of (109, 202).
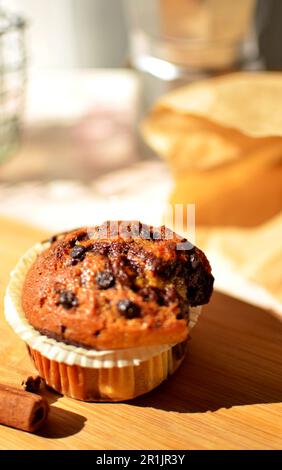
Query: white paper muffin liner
(59, 351)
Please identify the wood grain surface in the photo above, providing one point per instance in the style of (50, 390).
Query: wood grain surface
(226, 395)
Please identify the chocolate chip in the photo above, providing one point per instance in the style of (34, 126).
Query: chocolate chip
(50, 239)
(160, 268)
(101, 248)
(200, 285)
(105, 279)
(73, 262)
(42, 301)
(71, 243)
(169, 270)
(78, 252)
(179, 316)
(82, 236)
(194, 260)
(78, 237)
(152, 294)
(128, 308)
(191, 294)
(32, 384)
(53, 239)
(123, 270)
(67, 299)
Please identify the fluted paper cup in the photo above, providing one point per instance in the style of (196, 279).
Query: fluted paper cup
(88, 374)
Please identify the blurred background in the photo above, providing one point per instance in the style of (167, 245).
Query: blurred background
(89, 70)
(95, 33)
(77, 78)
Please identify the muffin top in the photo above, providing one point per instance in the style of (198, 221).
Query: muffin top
(116, 285)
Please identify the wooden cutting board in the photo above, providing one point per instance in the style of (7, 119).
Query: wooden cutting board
(225, 395)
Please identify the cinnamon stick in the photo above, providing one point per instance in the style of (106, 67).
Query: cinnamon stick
(22, 410)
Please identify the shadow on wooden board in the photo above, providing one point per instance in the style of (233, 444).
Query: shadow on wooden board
(234, 358)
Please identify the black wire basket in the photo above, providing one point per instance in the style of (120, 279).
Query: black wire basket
(12, 80)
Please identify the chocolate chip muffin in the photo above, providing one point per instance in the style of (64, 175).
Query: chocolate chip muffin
(114, 286)
(105, 311)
